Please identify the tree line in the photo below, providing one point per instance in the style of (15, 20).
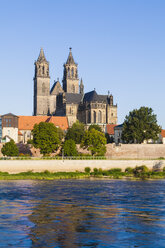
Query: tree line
(139, 125)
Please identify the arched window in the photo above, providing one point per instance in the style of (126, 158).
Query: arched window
(43, 88)
(100, 117)
(68, 72)
(72, 72)
(94, 116)
(43, 70)
(89, 117)
(73, 89)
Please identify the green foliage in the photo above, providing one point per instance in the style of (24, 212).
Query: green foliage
(87, 169)
(163, 169)
(10, 149)
(76, 132)
(95, 142)
(70, 148)
(129, 170)
(140, 125)
(96, 127)
(140, 171)
(30, 142)
(45, 137)
(115, 170)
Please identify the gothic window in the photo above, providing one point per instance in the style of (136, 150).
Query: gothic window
(68, 72)
(76, 74)
(43, 70)
(72, 72)
(112, 114)
(89, 117)
(100, 117)
(73, 89)
(94, 116)
(43, 88)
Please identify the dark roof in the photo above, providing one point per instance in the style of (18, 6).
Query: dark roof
(53, 87)
(9, 114)
(92, 96)
(118, 126)
(73, 98)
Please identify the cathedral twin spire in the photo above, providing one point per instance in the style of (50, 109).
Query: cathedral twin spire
(70, 76)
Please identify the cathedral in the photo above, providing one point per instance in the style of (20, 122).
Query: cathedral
(69, 98)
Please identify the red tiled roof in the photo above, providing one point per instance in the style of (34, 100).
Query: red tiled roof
(28, 122)
(110, 128)
(163, 133)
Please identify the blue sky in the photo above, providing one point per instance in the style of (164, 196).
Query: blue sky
(119, 46)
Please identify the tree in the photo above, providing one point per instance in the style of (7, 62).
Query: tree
(76, 132)
(95, 126)
(139, 125)
(46, 137)
(10, 149)
(95, 142)
(70, 148)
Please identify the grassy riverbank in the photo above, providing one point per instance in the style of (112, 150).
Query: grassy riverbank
(140, 172)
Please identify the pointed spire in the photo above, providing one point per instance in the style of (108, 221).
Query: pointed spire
(41, 56)
(70, 59)
(81, 87)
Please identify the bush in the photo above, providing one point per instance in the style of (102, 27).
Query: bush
(87, 169)
(115, 170)
(129, 170)
(10, 149)
(163, 169)
(70, 148)
(95, 170)
(140, 171)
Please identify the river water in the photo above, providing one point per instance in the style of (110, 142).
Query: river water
(82, 213)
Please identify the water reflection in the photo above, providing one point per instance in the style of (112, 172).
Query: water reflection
(82, 213)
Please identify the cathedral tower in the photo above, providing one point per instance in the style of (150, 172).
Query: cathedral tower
(41, 85)
(70, 77)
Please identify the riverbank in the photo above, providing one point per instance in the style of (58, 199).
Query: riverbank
(18, 166)
(139, 173)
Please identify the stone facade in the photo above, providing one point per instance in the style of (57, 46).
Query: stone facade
(69, 100)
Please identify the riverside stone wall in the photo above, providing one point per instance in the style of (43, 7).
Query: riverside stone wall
(136, 151)
(16, 166)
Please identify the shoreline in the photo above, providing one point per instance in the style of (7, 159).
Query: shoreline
(18, 166)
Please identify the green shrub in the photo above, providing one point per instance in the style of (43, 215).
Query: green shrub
(95, 170)
(141, 171)
(115, 170)
(70, 148)
(87, 169)
(129, 170)
(164, 169)
(10, 149)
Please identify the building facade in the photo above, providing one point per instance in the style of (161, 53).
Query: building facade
(69, 98)
(10, 127)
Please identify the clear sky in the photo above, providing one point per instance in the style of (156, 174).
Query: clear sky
(119, 46)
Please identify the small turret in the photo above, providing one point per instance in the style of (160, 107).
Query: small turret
(111, 100)
(81, 87)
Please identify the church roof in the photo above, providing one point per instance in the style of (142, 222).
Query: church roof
(41, 56)
(73, 98)
(70, 59)
(92, 96)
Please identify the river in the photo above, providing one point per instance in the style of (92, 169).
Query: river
(82, 213)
